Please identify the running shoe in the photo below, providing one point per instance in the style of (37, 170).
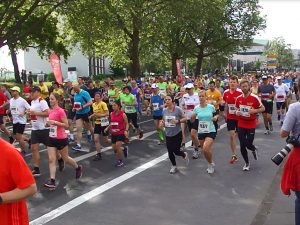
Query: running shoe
(234, 159)
(271, 127)
(11, 140)
(210, 168)
(196, 154)
(182, 147)
(36, 172)
(125, 151)
(141, 134)
(160, 142)
(119, 163)
(186, 158)
(267, 132)
(97, 157)
(78, 171)
(173, 170)
(246, 167)
(255, 154)
(50, 184)
(76, 148)
(71, 139)
(61, 164)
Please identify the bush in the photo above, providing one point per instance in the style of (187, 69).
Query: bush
(99, 77)
(50, 77)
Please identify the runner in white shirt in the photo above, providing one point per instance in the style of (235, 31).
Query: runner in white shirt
(282, 92)
(18, 108)
(39, 134)
(189, 101)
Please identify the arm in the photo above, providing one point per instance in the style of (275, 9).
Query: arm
(18, 194)
(193, 117)
(64, 122)
(43, 113)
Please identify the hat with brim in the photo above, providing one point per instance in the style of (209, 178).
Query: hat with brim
(189, 86)
(264, 77)
(154, 86)
(15, 88)
(35, 88)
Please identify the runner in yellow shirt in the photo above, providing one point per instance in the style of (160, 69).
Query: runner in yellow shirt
(44, 90)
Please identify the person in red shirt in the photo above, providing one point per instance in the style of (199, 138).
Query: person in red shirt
(247, 106)
(229, 97)
(15, 186)
(3, 104)
(27, 92)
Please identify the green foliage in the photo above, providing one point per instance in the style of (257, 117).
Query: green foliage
(51, 77)
(116, 71)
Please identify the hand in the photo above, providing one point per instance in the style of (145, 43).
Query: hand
(32, 113)
(91, 116)
(252, 111)
(238, 112)
(215, 118)
(174, 121)
(51, 122)
(126, 133)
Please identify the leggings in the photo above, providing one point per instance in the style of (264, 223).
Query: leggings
(297, 208)
(173, 146)
(132, 117)
(246, 138)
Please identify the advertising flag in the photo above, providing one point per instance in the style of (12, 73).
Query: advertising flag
(56, 68)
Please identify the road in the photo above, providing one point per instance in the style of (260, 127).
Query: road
(144, 193)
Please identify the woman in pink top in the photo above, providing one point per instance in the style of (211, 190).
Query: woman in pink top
(58, 141)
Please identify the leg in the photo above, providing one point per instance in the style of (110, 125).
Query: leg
(265, 117)
(176, 144)
(119, 150)
(20, 139)
(52, 161)
(170, 151)
(97, 142)
(67, 159)
(242, 139)
(208, 142)
(79, 125)
(35, 155)
(250, 134)
(232, 140)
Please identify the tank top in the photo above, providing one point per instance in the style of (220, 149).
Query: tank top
(147, 93)
(136, 93)
(117, 123)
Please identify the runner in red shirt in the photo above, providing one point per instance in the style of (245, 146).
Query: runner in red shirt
(27, 92)
(247, 106)
(17, 184)
(3, 103)
(229, 97)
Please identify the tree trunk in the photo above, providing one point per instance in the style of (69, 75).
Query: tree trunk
(15, 64)
(135, 51)
(174, 66)
(199, 62)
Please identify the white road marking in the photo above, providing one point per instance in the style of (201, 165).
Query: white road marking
(100, 190)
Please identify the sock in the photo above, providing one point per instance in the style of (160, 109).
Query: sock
(161, 135)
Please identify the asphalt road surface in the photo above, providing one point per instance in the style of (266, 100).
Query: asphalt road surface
(144, 193)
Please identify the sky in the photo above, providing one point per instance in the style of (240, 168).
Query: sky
(282, 17)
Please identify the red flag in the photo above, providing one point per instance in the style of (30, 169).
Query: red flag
(179, 70)
(55, 64)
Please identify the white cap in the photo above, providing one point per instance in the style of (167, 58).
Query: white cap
(187, 77)
(154, 86)
(189, 85)
(279, 78)
(264, 77)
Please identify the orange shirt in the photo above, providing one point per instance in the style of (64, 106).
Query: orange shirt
(14, 173)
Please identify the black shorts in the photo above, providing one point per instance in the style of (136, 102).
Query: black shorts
(232, 125)
(193, 125)
(18, 128)
(1, 119)
(100, 130)
(117, 137)
(40, 136)
(132, 117)
(207, 135)
(71, 114)
(157, 117)
(84, 117)
(268, 107)
(59, 144)
(280, 105)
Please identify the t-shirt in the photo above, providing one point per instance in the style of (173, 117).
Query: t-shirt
(101, 107)
(189, 102)
(93, 91)
(44, 91)
(14, 173)
(27, 92)
(244, 104)
(205, 115)
(111, 94)
(156, 102)
(170, 128)
(17, 108)
(230, 98)
(3, 99)
(59, 91)
(128, 99)
(266, 90)
(292, 120)
(57, 132)
(82, 98)
(214, 97)
(38, 122)
(162, 86)
(281, 92)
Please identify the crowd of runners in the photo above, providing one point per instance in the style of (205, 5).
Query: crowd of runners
(108, 111)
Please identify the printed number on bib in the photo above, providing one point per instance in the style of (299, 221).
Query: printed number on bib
(77, 105)
(14, 110)
(104, 121)
(53, 131)
(155, 106)
(148, 96)
(231, 108)
(130, 109)
(244, 109)
(168, 121)
(114, 127)
(203, 127)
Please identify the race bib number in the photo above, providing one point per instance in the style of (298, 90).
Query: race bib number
(244, 109)
(77, 105)
(155, 106)
(14, 110)
(130, 109)
(53, 131)
(231, 109)
(148, 96)
(111, 101)
(114, 126)
(168, 121)
(203, 127)
(104, 121)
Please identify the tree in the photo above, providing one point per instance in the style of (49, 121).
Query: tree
(283, 51)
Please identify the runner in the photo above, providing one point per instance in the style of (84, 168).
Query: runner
(162, 85)
(147, 98)
(289, 83)
(44, 91)
(119, 131)
(113, 94)
(82, 103)
(100, 114)
(189, 101)
(206, 114)
(267, 92)
(68, 105)
(137, 92)
(4, 103)
(247, 106)
(280, 98)
(173, 116)
(229, 97)
(58, 141)
(39, 134)
(27, 92)
(157, 105)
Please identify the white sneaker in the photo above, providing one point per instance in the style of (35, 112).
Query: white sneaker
(267, 132)
(246, 167)
(173, 170)
(196, 154)
(211, 168)
(186, 158)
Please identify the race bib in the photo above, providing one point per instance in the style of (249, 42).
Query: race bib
(53, 131)
(104, 121)
(190, 107)
(203, 127)
(155, 106)
(280, 97)
(14, 110)
(114, 126)
(148, 96)
(231, 109)
(130, 109)
(244, 109)
(77, 105)
(265, 95)
(168, 121)
(33, 118)
(111, 101)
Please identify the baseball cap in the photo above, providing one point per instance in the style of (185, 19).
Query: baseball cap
(279, 78)
(154, 86)
(35, 88)
(264, 77)
(189, 85)
(15, 88)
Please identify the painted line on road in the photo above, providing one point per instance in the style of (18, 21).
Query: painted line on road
(101, 189)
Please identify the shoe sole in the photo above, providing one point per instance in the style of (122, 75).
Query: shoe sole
(36, 175)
